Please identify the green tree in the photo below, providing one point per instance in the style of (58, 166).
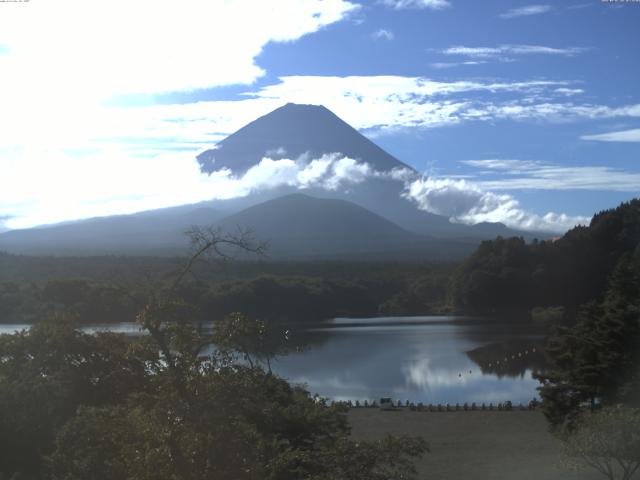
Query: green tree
(46, 373)
(504, 275)
(258, 342)
(607, 441)
(214, 418)
(593, 360)
(78, 406)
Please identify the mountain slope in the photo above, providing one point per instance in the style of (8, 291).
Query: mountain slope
(296, 226)
(293, 130)
(155, 232)
(299, 216)
(290, 131)
(299, 226)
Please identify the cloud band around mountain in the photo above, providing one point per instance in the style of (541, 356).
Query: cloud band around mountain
(466, 202)
(459, 200)
(175, 179)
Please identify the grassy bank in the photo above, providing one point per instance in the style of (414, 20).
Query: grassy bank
(474, 445)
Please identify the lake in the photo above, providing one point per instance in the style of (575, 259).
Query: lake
(420, 359)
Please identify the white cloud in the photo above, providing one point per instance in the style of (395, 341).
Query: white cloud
(3, 222)
(389, 86)
(64, 59)
(39, 186)
(403, 4)
(383, 34)
(67, 187)
(535, 175)
(331, 172)
(384, 102)
(547, 112)
(632, 135)
(60, 165)
(503, 164)
(365, 102)
(526, 11)
(467, 202)
(441, 65)
(502, 50)
(569, 92)
(394, 101)
(149, 46)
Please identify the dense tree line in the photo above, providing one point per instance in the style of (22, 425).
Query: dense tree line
(511, 275)
(78, 406)
(131, 270)
(88, 302)
(596, 360)
(271, 297)
(167, 405)
(591, 276)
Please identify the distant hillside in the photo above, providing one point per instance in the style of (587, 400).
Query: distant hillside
(156, 232)
(289, 131)
(298, 225)
(507, 274)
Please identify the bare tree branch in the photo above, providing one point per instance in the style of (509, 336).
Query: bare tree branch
(206, 241)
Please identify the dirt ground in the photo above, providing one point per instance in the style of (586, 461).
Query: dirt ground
(474, 445)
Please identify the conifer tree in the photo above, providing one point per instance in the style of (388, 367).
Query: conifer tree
(595, 360)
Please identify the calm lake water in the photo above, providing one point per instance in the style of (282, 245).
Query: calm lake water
(420, 359)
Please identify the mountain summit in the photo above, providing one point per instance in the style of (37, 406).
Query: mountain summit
(290, 131)
(369, 217)
(293, 130)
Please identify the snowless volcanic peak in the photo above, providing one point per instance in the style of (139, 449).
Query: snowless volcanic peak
(290, 131)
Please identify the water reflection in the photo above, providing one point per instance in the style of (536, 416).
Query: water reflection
(422, 359)
(511, 359)
(127, 328)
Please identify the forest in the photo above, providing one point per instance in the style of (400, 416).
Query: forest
(164, 405)
(107, 290)
(588, 282)
(508, 274)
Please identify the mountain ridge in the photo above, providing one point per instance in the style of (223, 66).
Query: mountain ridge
(289, 132)
(297, 226)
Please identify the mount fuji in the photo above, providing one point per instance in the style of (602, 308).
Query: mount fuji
(337, 213)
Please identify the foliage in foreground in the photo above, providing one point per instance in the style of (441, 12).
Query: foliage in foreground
(607, 441)
(595, 361)
(588, 284)
(78, 406)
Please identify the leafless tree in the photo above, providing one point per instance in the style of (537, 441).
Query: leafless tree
(213, 242)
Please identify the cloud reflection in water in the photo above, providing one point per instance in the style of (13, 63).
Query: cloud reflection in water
(420, 361)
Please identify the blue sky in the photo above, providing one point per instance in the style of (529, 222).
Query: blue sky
(527, 113)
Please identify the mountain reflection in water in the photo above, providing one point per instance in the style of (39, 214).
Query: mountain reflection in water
(421, 359)
(434, 359)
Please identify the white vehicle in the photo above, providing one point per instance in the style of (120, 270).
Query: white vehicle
(386, 404)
